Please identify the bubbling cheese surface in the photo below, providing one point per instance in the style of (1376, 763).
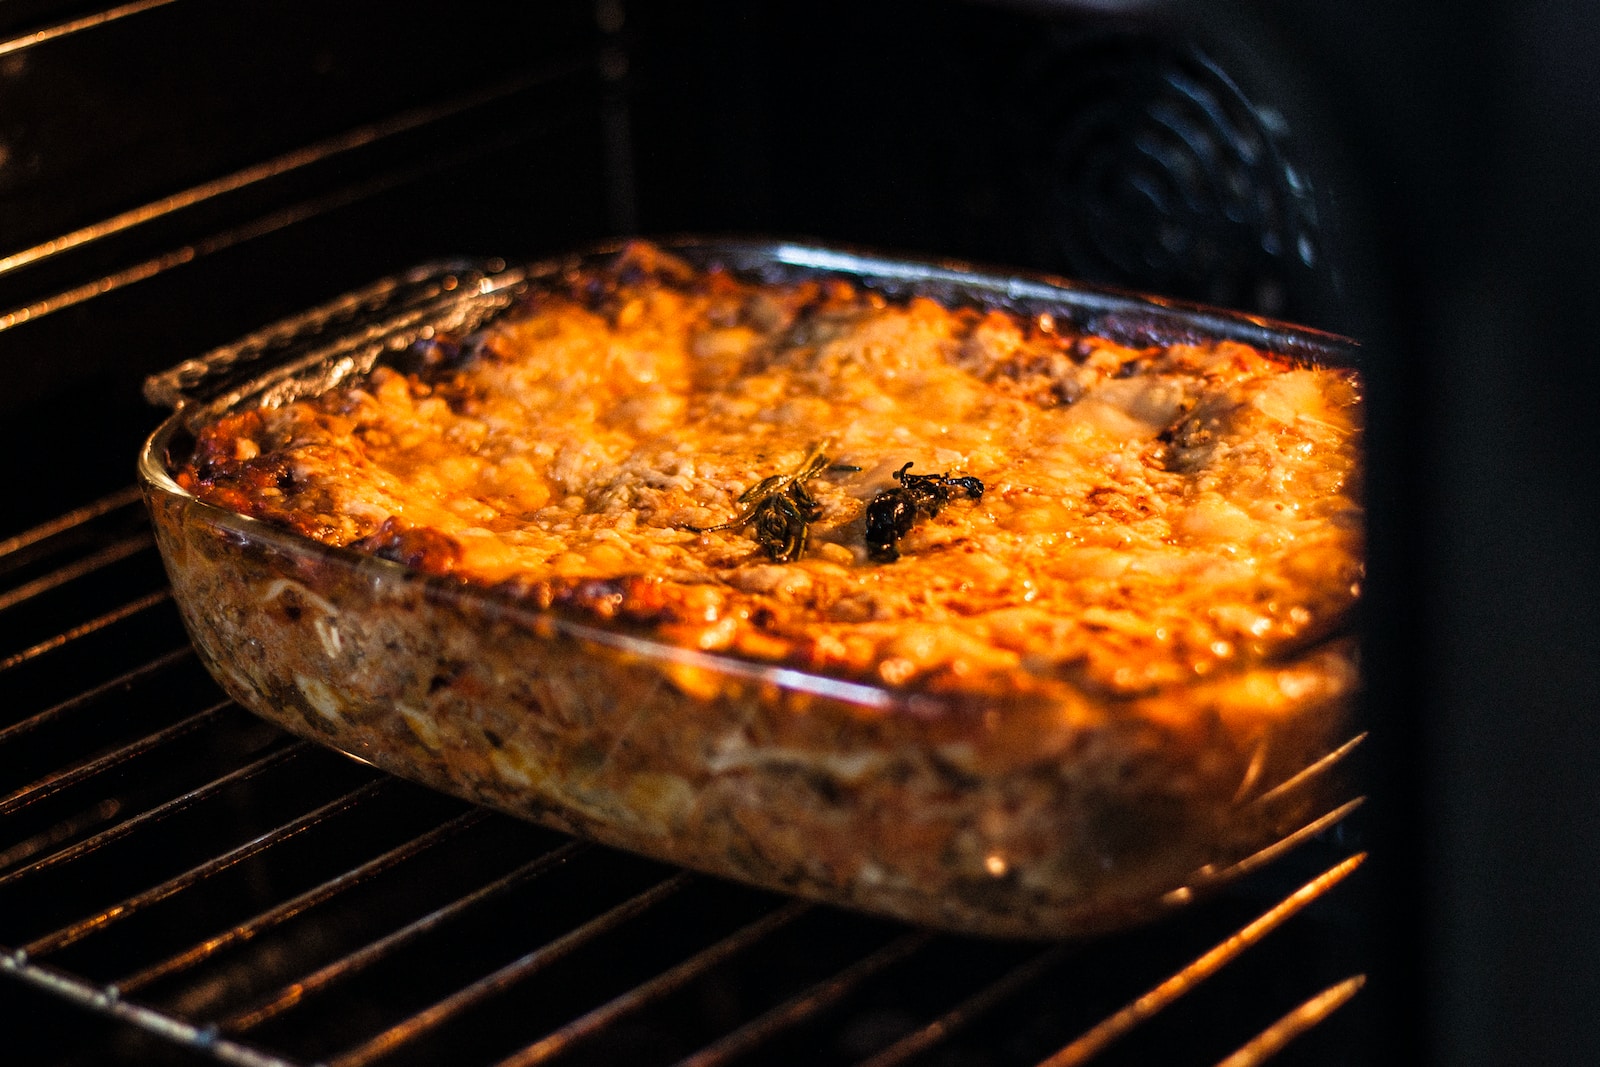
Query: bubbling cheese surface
(1154, 519)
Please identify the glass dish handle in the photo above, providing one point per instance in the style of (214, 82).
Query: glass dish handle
(387, 314)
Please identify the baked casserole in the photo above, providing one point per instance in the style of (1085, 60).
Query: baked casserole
(951, 608)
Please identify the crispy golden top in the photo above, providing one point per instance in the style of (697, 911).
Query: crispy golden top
(1151, 518)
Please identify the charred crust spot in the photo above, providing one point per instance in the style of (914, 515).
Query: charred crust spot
(1066, 391)
(419, 547)
(1117, 504)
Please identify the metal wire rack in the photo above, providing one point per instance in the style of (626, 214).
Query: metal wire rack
(171, 862)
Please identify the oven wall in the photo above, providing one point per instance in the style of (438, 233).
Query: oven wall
(1120, 150)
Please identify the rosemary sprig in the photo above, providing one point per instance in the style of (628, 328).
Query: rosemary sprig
(893, 512)
(780, 508)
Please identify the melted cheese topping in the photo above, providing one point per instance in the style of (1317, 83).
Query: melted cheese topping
(1152, 517)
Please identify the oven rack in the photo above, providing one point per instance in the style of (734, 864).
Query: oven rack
(169, 862)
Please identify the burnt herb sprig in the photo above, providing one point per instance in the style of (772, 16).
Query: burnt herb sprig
(893, 512)
(781, 509)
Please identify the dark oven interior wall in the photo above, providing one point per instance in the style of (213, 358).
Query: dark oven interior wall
(1121, 150)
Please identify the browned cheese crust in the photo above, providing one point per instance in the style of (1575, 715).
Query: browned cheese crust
(1152, 518)
(1135, 631)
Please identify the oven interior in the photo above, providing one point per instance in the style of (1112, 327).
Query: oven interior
(181, 883)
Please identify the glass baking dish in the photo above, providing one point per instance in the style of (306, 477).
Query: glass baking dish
(905, 803)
